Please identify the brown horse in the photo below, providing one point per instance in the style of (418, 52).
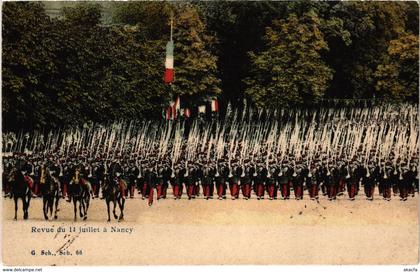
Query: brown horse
(21, 189)
(112, 193)
(50, 196)
(81, 194)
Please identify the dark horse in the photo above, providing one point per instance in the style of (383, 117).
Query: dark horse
(21, 189)
(113, 194)
(50, 192)
(81, 193)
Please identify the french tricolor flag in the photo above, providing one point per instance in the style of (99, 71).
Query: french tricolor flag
(214, 105)
(169, 63)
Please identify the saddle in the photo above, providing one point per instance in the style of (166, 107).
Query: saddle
(29, 181)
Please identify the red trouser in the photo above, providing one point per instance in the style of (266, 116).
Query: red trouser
(332, 191)
(341, 185)
(285, 190)
(176, 190)
(352, 190)
(206, 190)
(260, 190)
(234, 190)
(220, 189)
(246, 190)
(271, 190)
(95, 188)
(190, 190)
(36, 188)
(65, 189)
(144, 189)
(151, 196)
(369, 189)
(28, 182)
(122, 189)
(395, 189)
(298, 191)
(313, 192)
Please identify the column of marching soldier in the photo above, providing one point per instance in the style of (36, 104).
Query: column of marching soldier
(274, 180)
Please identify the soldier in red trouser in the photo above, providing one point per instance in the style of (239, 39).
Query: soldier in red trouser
(151, 180)
(272, 176)
(311, 184)
(221, 182)
(176, 181)
(190, 180)
(283, 177)
(235, 182)
(207, 181)
(261, 181)
(368, 183)
(246, 180)
(297, 181)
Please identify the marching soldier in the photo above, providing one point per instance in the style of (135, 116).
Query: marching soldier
(284, 176)
(246, 180)
(151, 179)
(272, 174)
(235, 182)
(261, 180)
(369, 183)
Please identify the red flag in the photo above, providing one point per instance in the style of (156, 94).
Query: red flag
(214, 105)
(168, 113)
(169, 76)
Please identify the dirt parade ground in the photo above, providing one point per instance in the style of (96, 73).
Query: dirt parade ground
(215, 231)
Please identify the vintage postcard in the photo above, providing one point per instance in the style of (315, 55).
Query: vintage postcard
(210, 133)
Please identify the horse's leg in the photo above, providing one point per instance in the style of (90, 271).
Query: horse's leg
(85, 208)
(51, 205)
(26, 213)
(81, 207)
(75, 209)
(57, 198)
(25, 207)
(45, 207)
(107, 206)
(87, 205)
(121, 206)
(115, 205)
(122, 209)
(16, 206)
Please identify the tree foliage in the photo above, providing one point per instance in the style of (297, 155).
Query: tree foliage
(74, 69)
(290, 71)
(397, 77)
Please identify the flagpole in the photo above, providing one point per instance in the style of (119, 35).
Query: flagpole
(172, 24)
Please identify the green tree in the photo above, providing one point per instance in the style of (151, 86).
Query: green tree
(27, 63)
(290, 71)
(195, 65)
(397, 77)
(372, 25)
(196, 72)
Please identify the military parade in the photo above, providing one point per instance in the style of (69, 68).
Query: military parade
(320, 154)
